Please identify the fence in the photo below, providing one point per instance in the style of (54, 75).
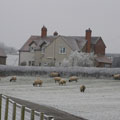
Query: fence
(9, 110)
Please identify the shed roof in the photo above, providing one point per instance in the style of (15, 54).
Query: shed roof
(103, 59)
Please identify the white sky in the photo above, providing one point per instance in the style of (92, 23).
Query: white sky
(19, 19)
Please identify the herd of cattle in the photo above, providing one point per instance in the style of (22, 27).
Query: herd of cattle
(60, 80)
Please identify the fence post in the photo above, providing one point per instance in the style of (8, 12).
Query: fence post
(14, 112)
(32, 115)
(6, 109)
(22, 113)
(0, 105)
(41, 116)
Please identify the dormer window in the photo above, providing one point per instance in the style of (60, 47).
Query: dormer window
(32, 46)
(62, 50)
(43, 44)
(42, 47)
(31, 49)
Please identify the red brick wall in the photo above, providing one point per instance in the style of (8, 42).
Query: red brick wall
(43, 32)
(99, 48)
(88, 38)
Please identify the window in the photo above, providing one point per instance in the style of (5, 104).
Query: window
(31, 49)
(29, 63)
(39, 64)
(42, 50)
(42, 47)
(33, 63)
(62, 51)
(45, 64)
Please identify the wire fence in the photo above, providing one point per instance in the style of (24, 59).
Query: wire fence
(10, 110)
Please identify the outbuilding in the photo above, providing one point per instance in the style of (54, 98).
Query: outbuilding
(2, 57)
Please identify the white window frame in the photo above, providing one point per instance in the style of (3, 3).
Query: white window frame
(43, 51)
(62, 50)
(31, 49)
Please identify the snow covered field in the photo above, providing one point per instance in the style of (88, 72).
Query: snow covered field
(101, 100)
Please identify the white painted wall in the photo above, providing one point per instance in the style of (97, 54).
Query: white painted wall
(27, 56)
(12, 60)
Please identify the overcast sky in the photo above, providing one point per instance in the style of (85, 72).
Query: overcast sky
(19, 19)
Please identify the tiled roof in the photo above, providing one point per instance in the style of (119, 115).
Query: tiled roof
(74, 42)
(38, 40)
(94, 40)
(78, 42)
(103, 59)
(71, 42)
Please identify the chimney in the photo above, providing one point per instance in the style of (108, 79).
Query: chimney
(88, 38)
(44, 32)
(55, 33)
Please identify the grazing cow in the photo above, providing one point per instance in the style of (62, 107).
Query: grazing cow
(38, 82)
(13, 79)
(82, 88)
(73, 78)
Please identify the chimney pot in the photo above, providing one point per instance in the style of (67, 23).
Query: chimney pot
(43, 32)
(55, 33)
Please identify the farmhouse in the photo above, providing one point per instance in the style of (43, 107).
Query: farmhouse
(2, 57)
(51, 50)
